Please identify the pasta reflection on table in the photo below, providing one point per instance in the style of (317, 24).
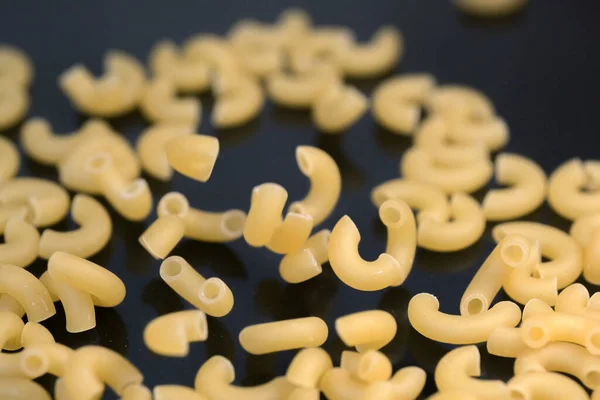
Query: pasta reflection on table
(352, 175)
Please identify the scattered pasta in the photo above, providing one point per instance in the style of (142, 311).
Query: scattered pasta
(302, 89)
(9, 160)
(586, 231)
(151, 148)
(306, 263)
(167, 62)
(45, 358)
(26, 289)
(565, 189)
(366, 330)
(575, 299)
(16, 66)
(399, 220)
(21, 240)
(159, 103)
(193, 155)
(370, 366)
(14, 103)
(324, 46)
(10, 331)
(161, 237)
(35, 333)
(136, 392)
(23, 388)
(375, 58)
(545, 385)
(338, 384)
(211, 50)
(308, 367)
(175, 392)
(407, 383)
(171, 334)
(238, 100)
(461, 101)
(338, 107)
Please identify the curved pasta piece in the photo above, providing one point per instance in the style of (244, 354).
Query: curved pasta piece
(306, 263)
(461, 101)
(308, 367)
(575, 299)
(47, 201)
(559, 247)
(11, 326)
(201, 225)
(16, 66)
(338, 384)
(407, 383)
(565, 189)
(425, 317)
(457, 369)
(305, 394)
(366, 330)
(211, 295)
(28, 291)
(15, 104)
(370, 366)
(93, 234)
(545, 385)
(420, 166)
(46, 147)
(92, 367)
(291, 234)
(493, 132)
(45, 358)
(258, 47)
(176, 392)
(325, 183)
(171, 334)
(160, 238)
(323, 46)
(375, 58)
(236, 103)
(465, 228)
(212, 50)
(352, 269)
(167, 62)
(193, 155)
(490, 9)
(526, 194)
(284, 335)
(10, 365)
(21, 240)
(397, 101)
(136, 392)
(452, 395)
(151, 148)
(159, 103)
(429, 200)
(35, 333)
(299, 90)
(115, 93)
(214, 380)
(9, 160)
(21, 388)
(16, 210)
(506, 342)
(586, 231)
(399, 220)
(338, 107)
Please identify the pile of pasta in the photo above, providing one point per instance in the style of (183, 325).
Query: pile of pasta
(301, 66)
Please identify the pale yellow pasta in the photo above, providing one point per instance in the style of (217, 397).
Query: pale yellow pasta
(45, 358)
(563, 251)
(215, 381)
(338, 384)
(9, 303)
(166, 61)
(238, 104)
(46, 147)
(324, 45)
(202, 225)
(506, 342)
(397, 101)
(308, 367)
(429, 200)
(407, 383)
(176, 392)
(258, 47)
(338, 107)
(9, 160)
(11, 326)
(490, 8)
(425, 317)
(115, 93)
(419, 165)
(15, 210)
(399, 220)
(151, 148)
(16, 66)
(545, 385)
(93, 234)
(47, 201)
(511, 253)
(452, 395)
(305, 394)
(60, 391)
(307, 262)
(22, 389)
(193, 155)
(575, 299)
(171, 334)
(325, 183)
(370, 366)
(375, 58)
(131, 199)
(352, 269)
(211, 295)
(493, 132)
(465, 228)
(526, 194)
(586, 231)
(461, 101)
(28, 291)
(457, 369)
(159, 103)
(10, 365)
(161, 237)
(565, 190)
(212, 50)
(291, 234)
(14, 104)
(299, 90)
(136, 392)
(366, 330)
(266, 205)
(293, 24)
(21, 240)
(433, 137)
(284, 335)
(90, 368)
(34, 333)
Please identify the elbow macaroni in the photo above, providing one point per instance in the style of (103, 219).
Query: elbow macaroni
(166, 62)
(377, 57)
(193, 155)
(176, 392)
(21, 388)
(545, 385)
(160, 238)
(171, 334)
(10, 331)
(151, 148)
(299, 90)
(21, 240)
(28, 291)
(45, 358)
(9, 160)
(239, 99)
(14, 104)
(307, 262)
(366, 330)
(16, 66)
(308, 367)
(338, 107)
(586, 231)
(565, 186)
(399, 220)
(370, 366)
(159, 103)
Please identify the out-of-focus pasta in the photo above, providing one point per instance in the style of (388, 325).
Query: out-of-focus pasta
(14, 103)
(159, 103)
(193, 155)
(9, 160)
(151, 148)
(338, 107)
(16, 66)
(377, 57)
(21, 240)
(565, 189)
(167, 62)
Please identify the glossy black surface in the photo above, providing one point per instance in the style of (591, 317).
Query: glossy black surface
(539, 67)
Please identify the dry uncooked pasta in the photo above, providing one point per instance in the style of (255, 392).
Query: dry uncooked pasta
(171, 334)
(161, 237)
(407, 383)
(324, 45)
(21, 240)
(10, 331)
(159, 103)
(370, 366)
(575, 299)
(238, 100)
(212, 50)
(9, 160)
(193, 155)
(16, 66)
(545, 385)
(586, 231)
(306, 263)
(187, 75)
(14, 103)
(308, 367)
(338, 107)
(566, 186)
(41, 358)
(21, 388)
(176, 392)
(151, 148)
(366, 330)
(299, 90)
(338, 384)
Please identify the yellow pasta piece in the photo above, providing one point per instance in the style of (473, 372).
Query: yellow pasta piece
(21, 388)
(45, 358)
(211, 295)
(306, 263)
(236, 103)
(201, 225)
(490, 9)
(338, 107)
(214, 380)
(366, 330)
(193, 155)
(407, 383)
(11, 326)
(284, 335)
(338, 384)
(159, 103)
(506, 342)
(166, 61)
(34, 333)
(560, 248)
(176, 392)
(17, 210)
(16, 66)
(399, 220)
(21, 241)
(9, 160)
(302, 89)
(212, 50)
(160, 238)
(291, 234)
(93, 234)
(28, 291)
(586, 231)
(352, 269)
(46, 147)
(460, 100)
(425, 317)
(136, 392)
(493, 132)
(545, 385)
(565, 189)
(325, 183)
(325, 45)
(534, 308)
(266, 205)
(115, 93)
(452, 395)
(9, 303)
(370, 366)
(293, 25)
(511, 253)
(151, 148)
(526, 194)
(171, 334)
(258, 47)
(10, 365)
(465, 228)
(15, 103)
(92, 367)
(305, 394)
(575, 299)
(421, 166)
(457, 369)
(375, 58)
(308, 367)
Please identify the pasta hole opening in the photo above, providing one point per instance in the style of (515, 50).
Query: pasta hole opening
(212, 290)
(518, 394)
(592, 378)
(475, 306)
(594, 342)
(536, 335)
(390, 214)
(174, 204)
(233, 223)
(379, 198)
(133, 189)
(514, 254)
(35, 364)
(171, 268)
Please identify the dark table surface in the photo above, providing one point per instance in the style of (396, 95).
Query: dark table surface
(539, 67)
